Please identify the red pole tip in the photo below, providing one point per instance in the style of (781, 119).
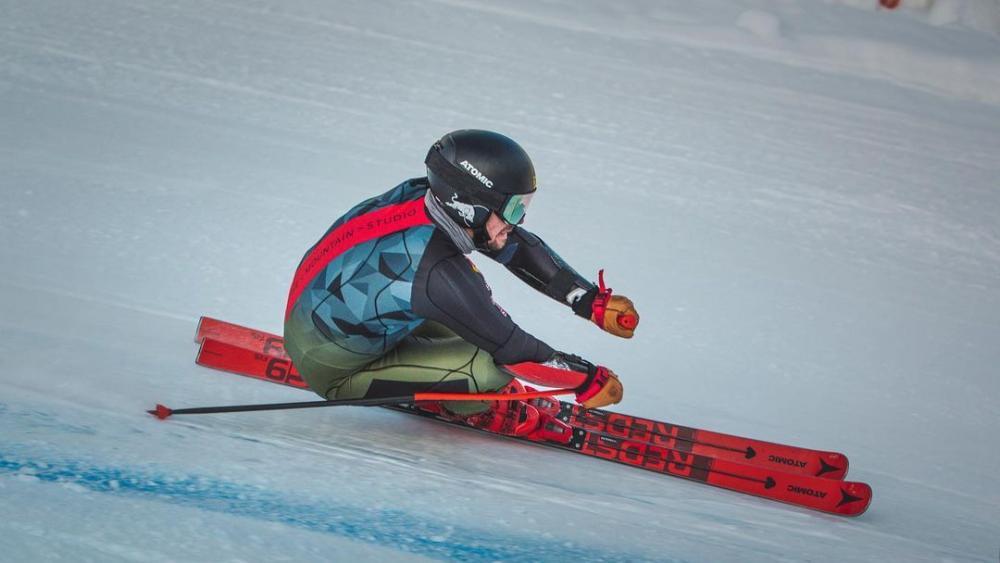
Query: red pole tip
(161, 412)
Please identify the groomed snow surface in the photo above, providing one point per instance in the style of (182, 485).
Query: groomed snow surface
(800, 196)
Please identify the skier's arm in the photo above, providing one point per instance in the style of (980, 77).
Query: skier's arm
(450, 290)
(452, 293)
(534, 262)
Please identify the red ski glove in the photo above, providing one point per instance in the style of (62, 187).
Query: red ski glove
(613, 313)
(595, 386)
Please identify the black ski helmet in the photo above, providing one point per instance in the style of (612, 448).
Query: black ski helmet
(473, 172)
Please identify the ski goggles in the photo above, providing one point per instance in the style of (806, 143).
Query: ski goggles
(515, 207)
(510, 207)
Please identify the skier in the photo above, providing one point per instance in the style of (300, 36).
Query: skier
(387, 303)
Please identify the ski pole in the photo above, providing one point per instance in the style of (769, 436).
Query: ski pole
(162, 411)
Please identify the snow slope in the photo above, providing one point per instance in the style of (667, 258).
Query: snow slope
(800, 196)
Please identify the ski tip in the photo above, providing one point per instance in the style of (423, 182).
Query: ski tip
(833, 465)
(855, 498)
(161, 412)
(198, 336)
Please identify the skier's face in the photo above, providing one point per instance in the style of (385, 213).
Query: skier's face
(497, 229)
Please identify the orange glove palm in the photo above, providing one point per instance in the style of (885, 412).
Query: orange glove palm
(603, 389)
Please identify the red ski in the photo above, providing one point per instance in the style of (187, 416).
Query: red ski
(827, 495)
(844, 498)
(780, 457)
(277, 367)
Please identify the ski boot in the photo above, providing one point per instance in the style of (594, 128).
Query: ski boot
(532, 419)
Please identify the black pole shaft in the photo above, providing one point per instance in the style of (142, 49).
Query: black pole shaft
(298, 405)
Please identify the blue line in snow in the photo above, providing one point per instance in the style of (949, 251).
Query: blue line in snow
(388, 528)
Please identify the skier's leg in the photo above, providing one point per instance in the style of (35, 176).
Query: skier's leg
(442, 363)
(322, 364)
(432, 358)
